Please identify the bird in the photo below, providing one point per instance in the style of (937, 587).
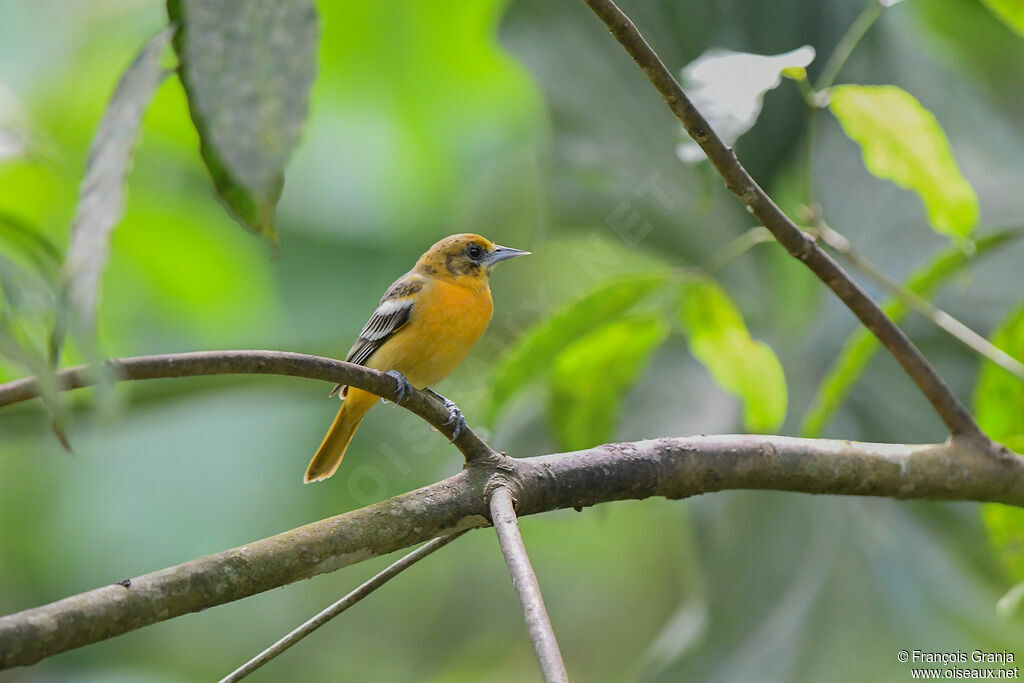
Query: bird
(424, 326)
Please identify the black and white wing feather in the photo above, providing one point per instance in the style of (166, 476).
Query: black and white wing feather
(392, 313)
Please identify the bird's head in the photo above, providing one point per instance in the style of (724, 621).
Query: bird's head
(464, 258)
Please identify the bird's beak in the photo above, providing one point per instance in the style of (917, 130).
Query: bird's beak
(501, 253)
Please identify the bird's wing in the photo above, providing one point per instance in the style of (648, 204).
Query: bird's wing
(392, 313)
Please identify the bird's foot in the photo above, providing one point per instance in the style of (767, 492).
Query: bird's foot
(454, 414)
(404, 389)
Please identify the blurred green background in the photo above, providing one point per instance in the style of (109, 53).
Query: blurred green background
(523, 121)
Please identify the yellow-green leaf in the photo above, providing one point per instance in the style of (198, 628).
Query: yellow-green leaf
(1010, 12)
(747, 368)
(531, 356)
(901, 141)
(590, 376)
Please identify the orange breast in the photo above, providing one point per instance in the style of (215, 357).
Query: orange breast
(446, 322)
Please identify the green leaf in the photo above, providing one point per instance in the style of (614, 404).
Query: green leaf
(591, 375)
(999, 395)
(728, 88)
(1005, 525)
(1010, 12)
(532, 355)
(102, 192)
(901, 141)
(247, 68)
(861, 345)
(719, 339)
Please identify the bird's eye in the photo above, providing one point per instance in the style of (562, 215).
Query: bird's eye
(475, 251)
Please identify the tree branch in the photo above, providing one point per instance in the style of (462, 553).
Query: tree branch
(340, 606)
(261, 363)
(801, 245)
(503, 516)
(961, 469)
(940, 318)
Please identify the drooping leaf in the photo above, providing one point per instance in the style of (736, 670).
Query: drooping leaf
(101, 194)
(728, 89)
(998, 394)
(901, 141)
(861, 346)
(1010, 12)
(247, 67)
(591, 375)
(532, 355)
(719, 339)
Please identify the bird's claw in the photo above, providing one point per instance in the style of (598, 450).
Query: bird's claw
(454, 417)
(404, 389)
(454, 414)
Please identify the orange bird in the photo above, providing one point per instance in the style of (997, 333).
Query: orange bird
(424, 326)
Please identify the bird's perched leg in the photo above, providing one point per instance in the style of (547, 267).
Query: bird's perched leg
(404, 388)
(454, 414)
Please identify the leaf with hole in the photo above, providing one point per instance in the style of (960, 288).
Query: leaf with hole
(532, 355)
(902, 141)
(728, 89)
(749, 369)
(591, 375)
(247, 68)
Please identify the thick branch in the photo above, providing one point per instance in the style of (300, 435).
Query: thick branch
(261, 363)
(957, 418)
(961, 469)
(538, 624)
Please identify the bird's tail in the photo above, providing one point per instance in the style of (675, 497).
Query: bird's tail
(332, 450)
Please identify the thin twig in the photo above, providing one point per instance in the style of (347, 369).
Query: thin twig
(844, 48)
(960, 469)
(203, 363)
(939, 317)
(340, 606)
(503, 515)
(737, 247)
(813, 96)
(949, 408)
